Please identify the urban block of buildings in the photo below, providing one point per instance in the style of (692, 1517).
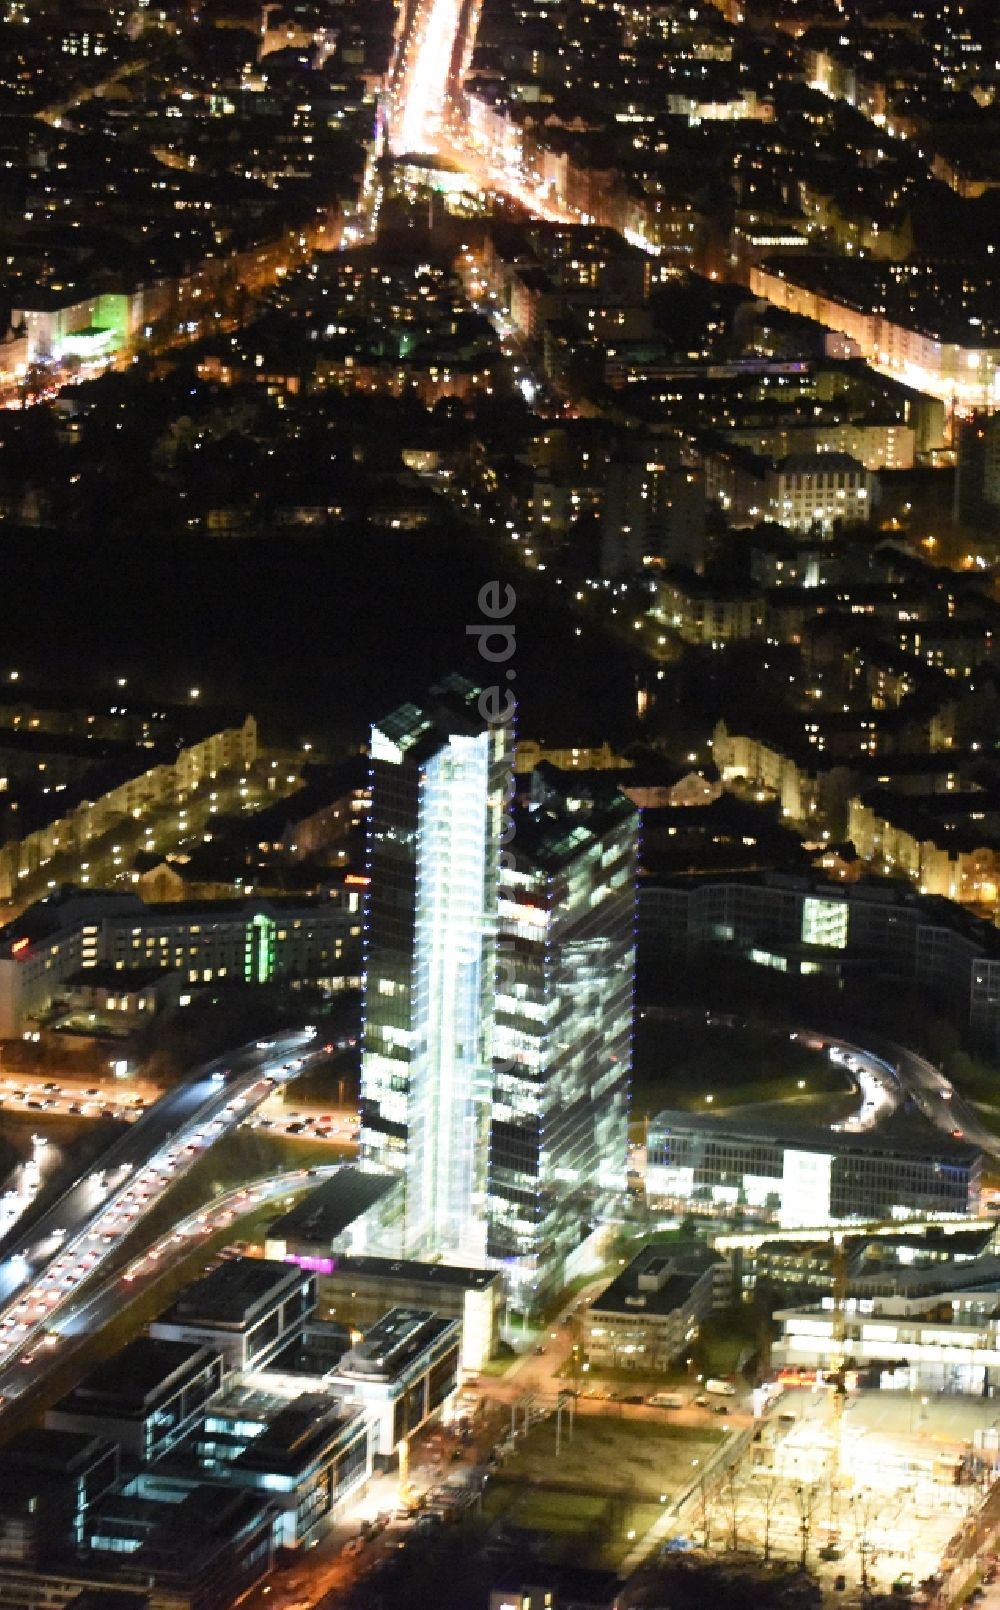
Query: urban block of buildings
(240, 1424)
(110, 949)
(808, 926)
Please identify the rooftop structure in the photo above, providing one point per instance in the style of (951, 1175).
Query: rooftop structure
(350, 1210)
(393, 1343)
(651, 1312)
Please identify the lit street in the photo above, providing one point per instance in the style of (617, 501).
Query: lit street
(501, 565)
(65, 1246)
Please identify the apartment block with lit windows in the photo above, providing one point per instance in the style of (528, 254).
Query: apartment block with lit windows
(819, 490)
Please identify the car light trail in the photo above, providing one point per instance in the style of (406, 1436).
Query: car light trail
(38, 1288)
(426, 62)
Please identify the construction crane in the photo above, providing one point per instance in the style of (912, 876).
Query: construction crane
(836, 1372)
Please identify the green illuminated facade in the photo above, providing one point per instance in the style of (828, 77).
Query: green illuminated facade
(259, 960)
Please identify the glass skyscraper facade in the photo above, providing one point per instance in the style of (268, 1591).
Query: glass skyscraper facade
(563, 1034)
(439, 775)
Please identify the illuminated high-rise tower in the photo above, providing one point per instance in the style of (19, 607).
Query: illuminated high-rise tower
(563, 1036)
(439, 772)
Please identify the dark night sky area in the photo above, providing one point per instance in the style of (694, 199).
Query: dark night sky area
(316, 636)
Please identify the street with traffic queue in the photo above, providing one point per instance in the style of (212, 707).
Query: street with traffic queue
(46, 1262)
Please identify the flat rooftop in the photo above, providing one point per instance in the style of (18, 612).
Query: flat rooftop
(432, 1275)
(124, 1384)
(189, 1535)
(48, 1448)
(331, 1207)
(657, 1281)
(297, 1433)
(230, 1294)
(398, 1338)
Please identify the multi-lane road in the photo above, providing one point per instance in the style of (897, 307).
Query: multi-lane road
(47, 1262)
(103, 1300)
(882, 1064)
(939, 1101)
(40, 1098)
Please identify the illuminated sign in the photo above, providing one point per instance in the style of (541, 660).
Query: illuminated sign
(18, 946)
(805, 1188)
(258, 964)
(318, 1266)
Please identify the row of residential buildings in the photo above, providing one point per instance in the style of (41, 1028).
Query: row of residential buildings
(94, 330)
(62, 817)
(930, 820)
(932, 357)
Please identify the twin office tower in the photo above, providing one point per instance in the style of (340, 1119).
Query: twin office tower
(499, 970)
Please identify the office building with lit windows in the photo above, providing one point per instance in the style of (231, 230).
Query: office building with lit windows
(49, 1481)
(248, 1309)
(439, 772)
(800, 1178)
(558, 1135)
(948, 1342)
(810, 927)
(400, 1373)
(54, 946)
(145, 1399)
(651, 1312)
